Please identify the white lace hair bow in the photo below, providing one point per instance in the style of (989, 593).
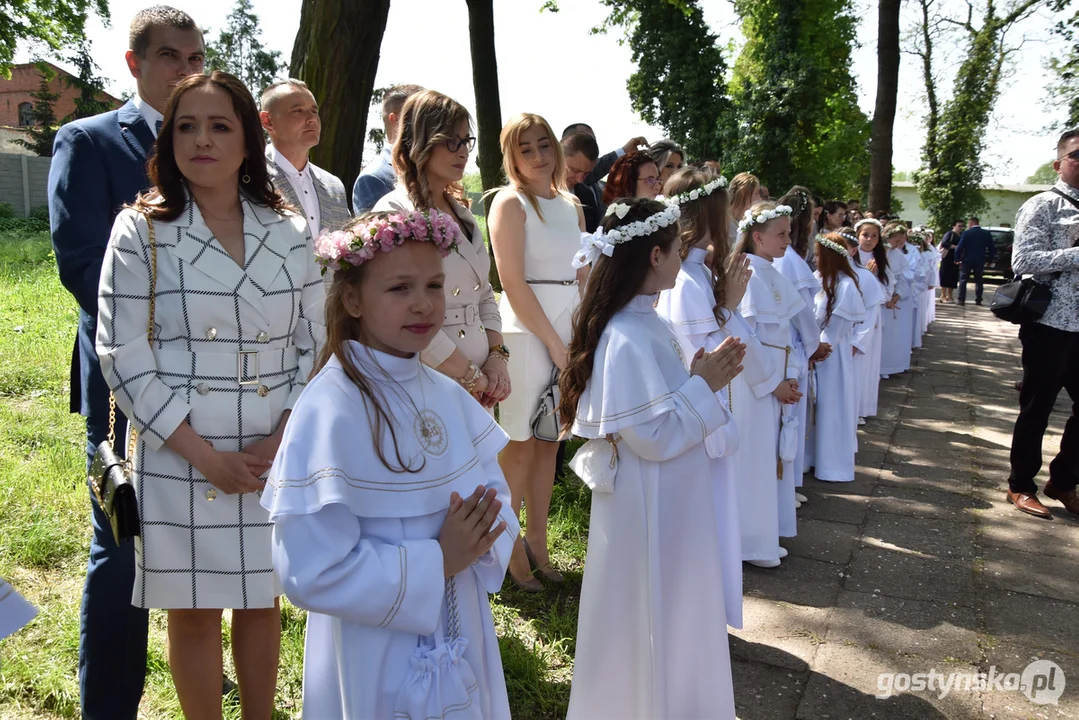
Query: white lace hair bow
(592, 246)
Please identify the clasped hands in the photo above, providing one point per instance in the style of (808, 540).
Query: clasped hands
(719, 367)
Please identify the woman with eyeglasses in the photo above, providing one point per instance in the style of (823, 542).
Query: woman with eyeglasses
(633, 175)
(429, 156)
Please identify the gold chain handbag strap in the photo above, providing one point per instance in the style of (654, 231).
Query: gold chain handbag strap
(132, 433)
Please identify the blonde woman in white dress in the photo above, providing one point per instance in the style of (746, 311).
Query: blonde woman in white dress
(535, 226)
(429, 156)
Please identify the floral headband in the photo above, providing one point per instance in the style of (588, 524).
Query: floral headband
(832, 245)
(601, 243)
(697, 193)
(869, 221)
(749, 220)
(358, 244)
(848, 237)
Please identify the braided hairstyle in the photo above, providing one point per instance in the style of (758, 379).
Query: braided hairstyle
(427, 119)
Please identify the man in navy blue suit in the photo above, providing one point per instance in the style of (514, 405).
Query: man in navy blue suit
(99, 165)
(975, 248)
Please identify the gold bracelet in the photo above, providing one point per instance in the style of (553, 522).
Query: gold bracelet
(473, 377)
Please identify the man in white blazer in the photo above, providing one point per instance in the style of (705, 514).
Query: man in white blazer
(290, 117)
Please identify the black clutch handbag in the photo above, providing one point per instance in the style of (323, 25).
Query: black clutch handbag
(110, 475)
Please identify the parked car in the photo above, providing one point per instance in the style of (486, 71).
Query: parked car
(1003, 238)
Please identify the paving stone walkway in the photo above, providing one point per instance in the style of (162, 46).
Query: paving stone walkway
(920, 564)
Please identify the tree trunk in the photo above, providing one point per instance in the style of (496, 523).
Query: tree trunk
(481, 32)
(880, 164)
(336, 54)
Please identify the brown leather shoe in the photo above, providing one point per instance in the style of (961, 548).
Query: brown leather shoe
(1029, 504)
(1069, 499)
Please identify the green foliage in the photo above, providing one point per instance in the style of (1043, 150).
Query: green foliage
(950, 178)
(90, 100)
(472, 183)
(1064, 89)
(55, 24)
(680, 79)
(43, 131)
(37, 222)
(238, 50)
(6, 211)
(798, 115)
(1044, 175)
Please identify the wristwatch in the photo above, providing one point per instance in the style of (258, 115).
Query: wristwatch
(500, 350)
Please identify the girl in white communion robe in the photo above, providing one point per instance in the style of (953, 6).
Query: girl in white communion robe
(873, 256)
(840, 309)
(899, 321)
(386, 495)
(651, 634)
(866, 340)
(693, 305)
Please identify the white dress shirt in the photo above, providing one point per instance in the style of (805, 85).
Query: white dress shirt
(303, 184)
(149, 113)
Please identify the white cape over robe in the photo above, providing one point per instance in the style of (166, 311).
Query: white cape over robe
(769, 306)
(357, 545)
(897, 322)
(919, 264)
(690, 308)
(837, 417)
(651, 635)
(866, 343)
(806, 338)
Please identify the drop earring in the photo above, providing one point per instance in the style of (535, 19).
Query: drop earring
(246, 179)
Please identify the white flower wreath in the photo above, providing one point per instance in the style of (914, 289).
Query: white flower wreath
(602, 243)
(869, 221)
(749, 220)
(697, 193)
(832, 245)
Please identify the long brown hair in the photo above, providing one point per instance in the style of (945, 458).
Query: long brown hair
(831, 265)
(800, 201)
(166, 198)
(613, 282)
(342, 327)
(742, 187)
(622, 180)
(703, 215)
(427, 119)
(880, 253)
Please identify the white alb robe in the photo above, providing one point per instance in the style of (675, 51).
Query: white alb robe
(651, 635)
(357, 546)
(806, 337)
(837, 418)
(932, 256)
(869, 392)
(897, 322)
(865, 338)
(768, 306)
(919, 264)
(689, 306)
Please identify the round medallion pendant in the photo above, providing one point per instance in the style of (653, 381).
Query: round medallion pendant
(431, 433)
(678, 350)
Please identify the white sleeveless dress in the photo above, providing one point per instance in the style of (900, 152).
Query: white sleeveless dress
(550, 245)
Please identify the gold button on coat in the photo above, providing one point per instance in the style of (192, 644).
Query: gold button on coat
(202, 389)
(461, 333)
(262, 336)
(477, 286)
(263, 391)
(211, 333)
(211, 494)
(456, 292)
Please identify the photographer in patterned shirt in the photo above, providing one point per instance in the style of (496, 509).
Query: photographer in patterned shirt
(1047, 247)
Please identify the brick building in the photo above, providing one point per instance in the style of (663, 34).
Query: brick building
(16, 101)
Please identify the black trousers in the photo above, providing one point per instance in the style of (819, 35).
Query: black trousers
(979, 285)
(1050, 362)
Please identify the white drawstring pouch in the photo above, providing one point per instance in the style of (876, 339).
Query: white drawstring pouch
(596, 463)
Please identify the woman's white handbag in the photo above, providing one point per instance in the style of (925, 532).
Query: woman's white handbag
(440, 683)
(545, 422)
(596, 463)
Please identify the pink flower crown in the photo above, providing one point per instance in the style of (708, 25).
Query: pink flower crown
(358, 244)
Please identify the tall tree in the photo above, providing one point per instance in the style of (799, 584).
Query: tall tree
(880, 163)
(949, 181)
(680, 81)
(239, 50)
(43, 131)
(1064, 89)
(336, 54)
(798, 115)
(91, 99)
(54, 23)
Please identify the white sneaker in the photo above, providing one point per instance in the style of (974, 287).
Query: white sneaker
(764, 563)
(797, 504)
(800, 497)
(861, 421)
(783, 552)
(885, 377)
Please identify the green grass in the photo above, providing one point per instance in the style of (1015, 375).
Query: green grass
(45, 532)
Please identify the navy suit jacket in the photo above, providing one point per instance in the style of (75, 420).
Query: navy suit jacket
(976, 247)
(98, 166)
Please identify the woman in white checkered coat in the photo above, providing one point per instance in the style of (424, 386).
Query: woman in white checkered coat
(237, 324)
